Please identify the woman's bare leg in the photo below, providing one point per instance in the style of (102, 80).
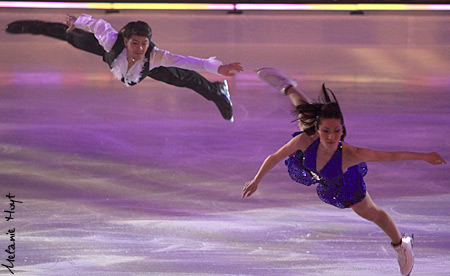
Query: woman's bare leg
(370, 211)
(402, 245)
(297, 97)
(285, 84)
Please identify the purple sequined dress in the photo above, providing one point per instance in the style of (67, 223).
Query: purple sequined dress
(333, 187)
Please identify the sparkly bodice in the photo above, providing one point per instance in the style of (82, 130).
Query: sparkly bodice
(331, 170)
(335, 187)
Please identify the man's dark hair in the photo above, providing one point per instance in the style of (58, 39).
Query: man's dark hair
(138, 28)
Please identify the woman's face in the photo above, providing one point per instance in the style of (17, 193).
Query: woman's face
(330, 132)
(136, 46)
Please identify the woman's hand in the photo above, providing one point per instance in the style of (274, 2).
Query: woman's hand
(434, 158)
(70, 21)
(249, 188)
(227, 69)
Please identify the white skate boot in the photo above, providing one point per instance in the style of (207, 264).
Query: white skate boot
(276, 78)
(405, 255)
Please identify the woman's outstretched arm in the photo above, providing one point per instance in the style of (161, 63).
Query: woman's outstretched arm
(369, 155)
(271, 161)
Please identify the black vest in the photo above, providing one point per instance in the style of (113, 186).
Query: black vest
(117, 49)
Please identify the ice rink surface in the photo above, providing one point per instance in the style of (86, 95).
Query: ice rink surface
(147, 180)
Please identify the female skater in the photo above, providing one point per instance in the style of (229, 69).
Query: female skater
(321, 157)
(132, 56)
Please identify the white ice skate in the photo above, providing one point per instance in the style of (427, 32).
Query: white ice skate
(276, 78)
(405, 255)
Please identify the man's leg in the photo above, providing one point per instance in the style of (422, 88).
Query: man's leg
(78, 38)
(212, 91)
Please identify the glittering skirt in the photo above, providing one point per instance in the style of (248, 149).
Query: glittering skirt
(342, 192)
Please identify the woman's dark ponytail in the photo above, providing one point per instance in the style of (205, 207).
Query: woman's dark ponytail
(310, 115)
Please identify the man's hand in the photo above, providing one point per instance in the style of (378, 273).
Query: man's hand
(227, 69)
(70, 21)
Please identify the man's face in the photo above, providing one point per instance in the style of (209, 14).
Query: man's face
(136, 46)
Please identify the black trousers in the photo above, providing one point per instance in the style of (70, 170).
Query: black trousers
(171, 75)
